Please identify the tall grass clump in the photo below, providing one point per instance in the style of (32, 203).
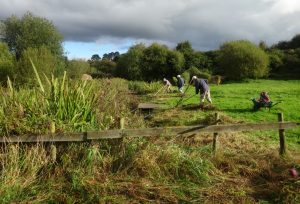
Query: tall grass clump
(32, 110)
(61, 104)
(141, 87)
(20, 167)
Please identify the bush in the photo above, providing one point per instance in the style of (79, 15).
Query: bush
(242, 59)
(128, 65)
(77, 67)
(7, 62)
(187, 77)
(44, 60)
(105, 68)
(141, 87)
(205, 74)
(158, 62)
(194, 71)
(31, 32)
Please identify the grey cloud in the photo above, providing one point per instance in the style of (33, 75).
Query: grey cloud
(205, 23)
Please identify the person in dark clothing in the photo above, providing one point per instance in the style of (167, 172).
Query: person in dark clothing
(202, 87)
(180, 83)
(264, 98)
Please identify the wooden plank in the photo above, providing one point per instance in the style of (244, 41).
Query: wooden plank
(147, 132)
(106, 134)
(148, 106)
(180, 130)
(65, 137)
(242, 127)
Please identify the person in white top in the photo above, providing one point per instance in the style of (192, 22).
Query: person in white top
(168, 85)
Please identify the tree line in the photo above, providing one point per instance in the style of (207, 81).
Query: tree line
(36, 38)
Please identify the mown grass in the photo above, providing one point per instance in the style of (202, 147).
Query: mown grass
(232, 100)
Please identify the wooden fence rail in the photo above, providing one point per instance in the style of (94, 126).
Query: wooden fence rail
(159, 131)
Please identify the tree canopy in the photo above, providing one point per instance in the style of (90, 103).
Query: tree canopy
(158, 62)
(129, 63)
(31, 32)
(243, 59)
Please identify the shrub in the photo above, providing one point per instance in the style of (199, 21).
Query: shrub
(77, 67)
(105, 68)
(158, 61)
(242, 59)
(186, 75)
(205, 74)
(44, 60)
(141, 87)
(7, 62)
(194, 71)
(128, 65)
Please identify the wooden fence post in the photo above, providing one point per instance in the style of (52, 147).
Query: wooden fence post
(215, 139)
(53, 153)
(52, 127)
(53, 150)
(117, 144)
(122, 123)
(120, 149)
(282, 149)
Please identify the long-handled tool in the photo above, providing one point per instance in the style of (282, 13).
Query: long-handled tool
(187, 99)
(160, 90)
(180, 100)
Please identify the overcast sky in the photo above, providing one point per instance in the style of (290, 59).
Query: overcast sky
(99, 26)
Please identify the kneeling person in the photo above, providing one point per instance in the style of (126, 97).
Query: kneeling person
(202, 87)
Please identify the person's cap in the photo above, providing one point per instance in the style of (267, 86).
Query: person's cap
(178, 75)
(165, 79)
(194, 77)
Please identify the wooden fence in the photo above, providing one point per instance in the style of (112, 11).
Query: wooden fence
(159, 131)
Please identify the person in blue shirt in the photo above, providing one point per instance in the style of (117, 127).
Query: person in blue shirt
(201, 86)
(180, 83)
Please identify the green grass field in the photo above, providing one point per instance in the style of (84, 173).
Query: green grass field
(233, 100)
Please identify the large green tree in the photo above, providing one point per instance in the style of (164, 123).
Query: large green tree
(186, 49)
(31, 32)
(129, 63)
(285, 58)
(158, 62)
(243, 59)
(294, 43)
(175, 63)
